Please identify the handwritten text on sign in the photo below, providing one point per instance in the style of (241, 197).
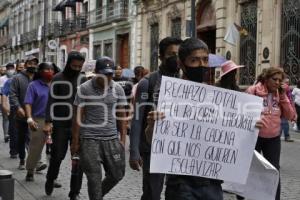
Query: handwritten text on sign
(208, 131)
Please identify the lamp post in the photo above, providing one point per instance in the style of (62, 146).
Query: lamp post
(193, 20)
(45, 28)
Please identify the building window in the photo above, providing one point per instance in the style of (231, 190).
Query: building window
(248, 43)
(176, 27)
(97, 51)
(63, 57)
(154, 37)
(85, 8)
(108, 49)
(290, 40)
(99, 12)
(110, 8)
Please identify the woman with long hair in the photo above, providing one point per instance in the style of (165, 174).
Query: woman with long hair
(275, 105)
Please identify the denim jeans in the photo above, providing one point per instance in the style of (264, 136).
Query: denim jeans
(23, 137)
(298, 113)
(5, 125)
(285, 128)
(13, 135)
(186, 191)
(270, 148)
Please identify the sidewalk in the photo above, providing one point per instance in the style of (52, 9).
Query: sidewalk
(130, 188)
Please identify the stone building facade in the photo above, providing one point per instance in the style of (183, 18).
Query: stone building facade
(109, 24)
(4, 32)
(273, 29)
(26, 23)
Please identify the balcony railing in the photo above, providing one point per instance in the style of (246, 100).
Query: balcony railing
(4, 41)
(113, 12)
(68, 26)
(29, 37)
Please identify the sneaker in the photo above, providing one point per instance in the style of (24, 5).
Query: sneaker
(41, 167)
(29, 177)
(57, 184)
(14, 156)
(22, 165)
(49, 187)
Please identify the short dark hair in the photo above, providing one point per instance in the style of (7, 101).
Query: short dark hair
(189, 45)
(164, 43)
(10, 65)
(137, 69)
(75, 55)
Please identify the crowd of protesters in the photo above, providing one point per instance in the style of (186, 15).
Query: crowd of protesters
(94, 110)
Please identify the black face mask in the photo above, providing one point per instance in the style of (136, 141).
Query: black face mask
(171, 65)
(71, 73)
(195, 74)
(31, 69)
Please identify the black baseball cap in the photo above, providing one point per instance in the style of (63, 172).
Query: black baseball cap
(105, 65)
(10, 65)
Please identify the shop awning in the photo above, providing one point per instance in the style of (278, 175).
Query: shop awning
(70, 3)
(59, 6)
(4, 22)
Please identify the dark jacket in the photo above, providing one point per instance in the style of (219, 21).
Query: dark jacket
(146, 93)
(62, 94)
(18, 90)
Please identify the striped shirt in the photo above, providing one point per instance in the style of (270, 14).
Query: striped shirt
(99, 121)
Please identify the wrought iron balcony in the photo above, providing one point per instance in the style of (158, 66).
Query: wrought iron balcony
(114, 12)
(69, 26)
(4, 41)
(29, 37)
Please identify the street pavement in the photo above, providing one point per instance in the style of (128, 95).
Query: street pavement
(130, 188)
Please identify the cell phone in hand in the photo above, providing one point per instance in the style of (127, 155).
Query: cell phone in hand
(281, 89)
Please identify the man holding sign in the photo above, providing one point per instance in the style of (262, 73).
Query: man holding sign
(146, 98)
(197, 143)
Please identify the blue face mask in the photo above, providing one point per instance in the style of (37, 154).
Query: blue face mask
(10, 73)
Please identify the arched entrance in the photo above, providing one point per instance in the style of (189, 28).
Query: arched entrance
(206, 31)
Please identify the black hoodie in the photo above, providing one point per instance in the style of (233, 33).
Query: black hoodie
(63, 94)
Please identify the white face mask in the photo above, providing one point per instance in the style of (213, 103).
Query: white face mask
(10, 73)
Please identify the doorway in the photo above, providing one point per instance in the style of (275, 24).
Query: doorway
(206, 31)
(123, 43)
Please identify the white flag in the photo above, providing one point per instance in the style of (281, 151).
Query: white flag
(232, 36)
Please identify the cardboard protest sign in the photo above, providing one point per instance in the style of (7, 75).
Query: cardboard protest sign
(208, 131)
(262, 181)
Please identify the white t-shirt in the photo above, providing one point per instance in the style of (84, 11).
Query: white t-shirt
(296, 94)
